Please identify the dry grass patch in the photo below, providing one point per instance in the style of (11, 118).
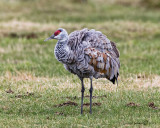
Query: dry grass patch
(27, 26)
(131, 83)
(119, 29)
(140, 82)
(121, 2)
(27, 82)
(2, 50)
(128, 2)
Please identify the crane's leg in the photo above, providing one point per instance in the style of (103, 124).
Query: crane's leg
(82, 90)
(91, 90)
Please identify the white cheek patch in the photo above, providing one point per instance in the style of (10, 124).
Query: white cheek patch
(56, 37)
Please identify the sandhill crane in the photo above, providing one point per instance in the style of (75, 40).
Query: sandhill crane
(87, 54)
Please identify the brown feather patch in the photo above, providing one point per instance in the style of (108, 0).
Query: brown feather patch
(98, 65)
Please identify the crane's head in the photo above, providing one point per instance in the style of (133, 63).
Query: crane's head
(60, 34)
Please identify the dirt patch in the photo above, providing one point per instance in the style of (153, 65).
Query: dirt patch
(152, 105)
(132, 104)
(48, 118)
(59, 113)
(4, 107)
(27, 35)
(68, 103)
(71, 98)
(87, 96)
(141, 76)
(9, 91)
(96, 96)
(93, 104)
(25, 95)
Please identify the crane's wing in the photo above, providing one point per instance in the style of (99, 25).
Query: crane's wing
(103, 63)
(114, 48)
(98, 51)
(90, 38)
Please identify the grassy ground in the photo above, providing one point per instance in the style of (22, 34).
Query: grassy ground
(33, 83)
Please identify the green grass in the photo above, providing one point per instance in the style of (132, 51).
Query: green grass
(28, 66)
(39, 110)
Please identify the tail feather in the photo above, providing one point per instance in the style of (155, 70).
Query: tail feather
(115, 79)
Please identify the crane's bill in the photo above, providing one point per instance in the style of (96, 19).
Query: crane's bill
(48, 39)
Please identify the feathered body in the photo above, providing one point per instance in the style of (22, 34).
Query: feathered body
(89, 53)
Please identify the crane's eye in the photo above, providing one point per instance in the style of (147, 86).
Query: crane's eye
(57, 32)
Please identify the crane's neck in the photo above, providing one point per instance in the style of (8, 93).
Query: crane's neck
(62, 50)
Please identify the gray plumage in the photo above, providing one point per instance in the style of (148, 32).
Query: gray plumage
(87, 54)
